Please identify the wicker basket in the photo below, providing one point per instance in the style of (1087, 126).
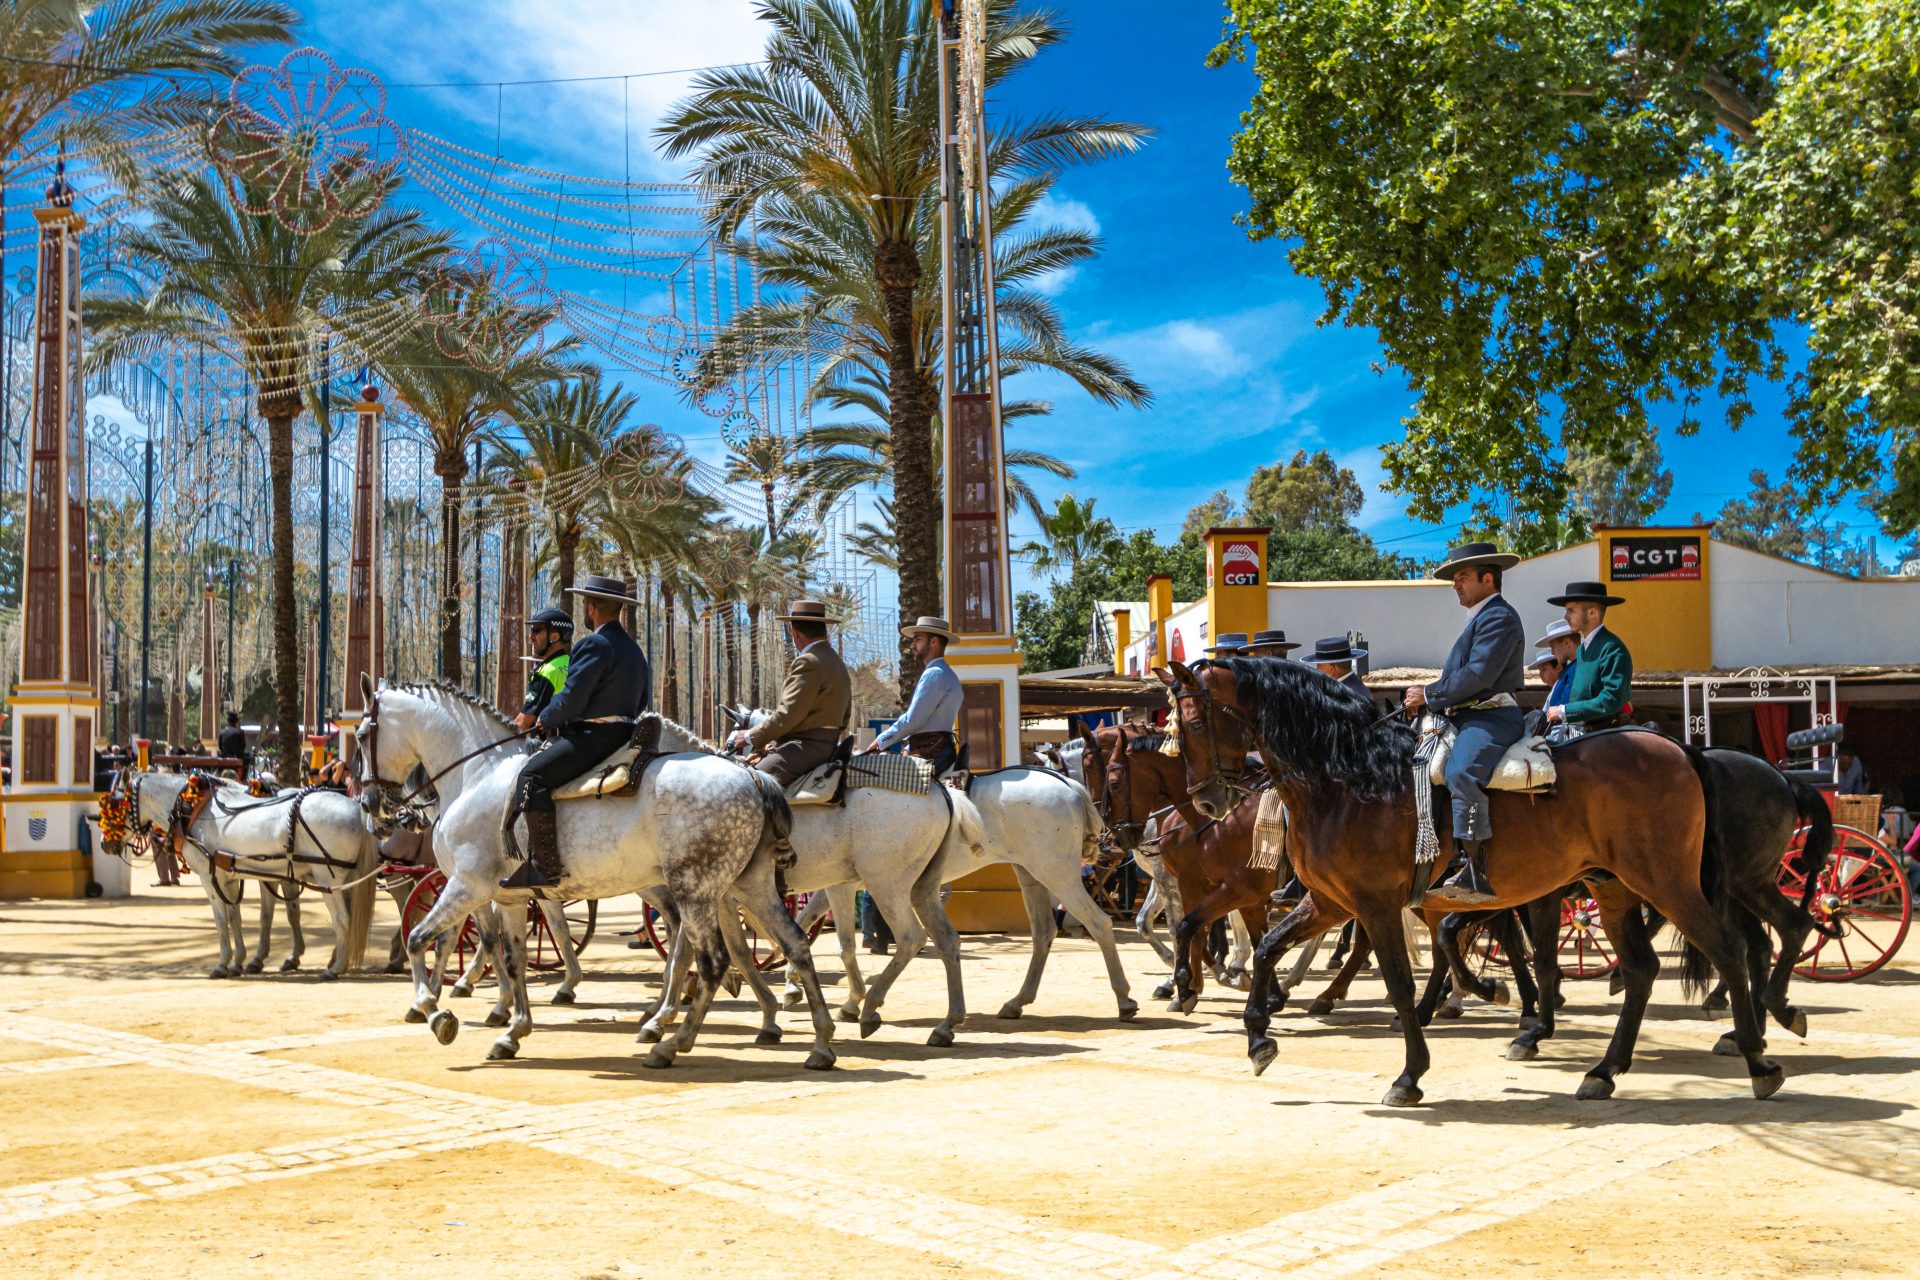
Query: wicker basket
(1862, 813)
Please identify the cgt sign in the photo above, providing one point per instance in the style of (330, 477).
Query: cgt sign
(1655, 559)
(1240, 564)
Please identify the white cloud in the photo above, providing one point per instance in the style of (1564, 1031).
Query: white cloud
(1205, 345)
(1056, 210)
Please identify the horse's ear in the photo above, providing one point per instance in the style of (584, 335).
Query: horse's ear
(1185, 675)
(1167, 677)
(366, 688)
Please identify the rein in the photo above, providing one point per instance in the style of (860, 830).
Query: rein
(1233, 782)
(391, 791)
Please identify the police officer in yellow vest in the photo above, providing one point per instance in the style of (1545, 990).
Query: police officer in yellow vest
(550, 636)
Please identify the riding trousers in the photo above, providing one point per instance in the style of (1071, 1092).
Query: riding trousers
(568, 754)
(1484, 737)
(794, 758)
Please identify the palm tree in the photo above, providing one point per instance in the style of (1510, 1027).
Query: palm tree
(845, 456)
(838, 125)
(874, 541)
(765, 460)
(94, 69)
(1070, 535)
(461, 396)
(268, 297)
(566, 428)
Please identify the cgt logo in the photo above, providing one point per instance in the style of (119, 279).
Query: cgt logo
(1240, 564)
(1654, 559)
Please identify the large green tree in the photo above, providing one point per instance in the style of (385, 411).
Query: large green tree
(830, 145)
(1307, 491)
(1558, 214)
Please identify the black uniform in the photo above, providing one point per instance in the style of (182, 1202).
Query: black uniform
(608, 685)
(233, 744)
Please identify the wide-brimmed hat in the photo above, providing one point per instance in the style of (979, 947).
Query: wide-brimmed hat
(927, 624)
(1335, 649)
(1557, 629)
(602, 589)
(1229, 642)
(1586, 593)
(1474, 553)
(1541, 660)
(1272, 640)
(558, 618)
(806, 611)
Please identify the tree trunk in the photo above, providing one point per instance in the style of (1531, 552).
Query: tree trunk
(766, 491)
(286, 640)
(896, 267)
(753, 653)
(566, 546)
(451, 467)
(669, 685)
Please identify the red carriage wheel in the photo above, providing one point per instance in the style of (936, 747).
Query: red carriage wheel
(543, 952)
(765, 953)
(655, 928)
(1863, 894)
(466, 939)
(1584, 952)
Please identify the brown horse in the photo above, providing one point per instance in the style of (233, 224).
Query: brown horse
(1631, 804)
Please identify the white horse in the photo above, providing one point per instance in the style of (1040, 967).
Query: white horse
(895, 844)
(694, 825)
(313, 839)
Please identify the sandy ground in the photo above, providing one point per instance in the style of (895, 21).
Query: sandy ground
(156, 1123)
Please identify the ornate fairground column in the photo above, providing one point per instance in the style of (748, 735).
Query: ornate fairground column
(55, 712)
(364, 649)
(974, 538)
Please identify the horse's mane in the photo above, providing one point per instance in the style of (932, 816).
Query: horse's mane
(1321, 731)
(1152, 740)
(693, 740)
(454, 691)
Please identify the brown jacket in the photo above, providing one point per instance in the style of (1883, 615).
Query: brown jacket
(817, 700)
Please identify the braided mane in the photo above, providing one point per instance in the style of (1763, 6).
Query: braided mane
(454, 691)
(1322, 732)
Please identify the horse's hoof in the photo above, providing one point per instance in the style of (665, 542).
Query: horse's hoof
(1594, 1088)
(460, 989)
(767, 1037)
(1616, 983)
(1797, 1024)
(1011, 1009)
(869, 1023)
(445, 1026)
(1164, 991)
(502, 1050)
(649, 1034)
(1128, 1010)
(1502, 993)
(1403, 1095)
(1187, 1005)
(253, 966)
(659, 1058)
(1261, 1053)
(1715, 1004)
(791, 1000)
(940, 1038)
(414, 1015)
(1320, 1008)
(563, 997)
(289, 965)
(1765, 1086)
(731, 982)
(847, 1013)
(1448, 1010)
(495, 1018)
(1518, 1052)
(328, 975)
(1727, 1047)
(398, 966)
(819, 1060)
(1559, 1001)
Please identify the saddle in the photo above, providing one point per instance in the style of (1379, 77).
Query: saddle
(830, 783)
(619, 774)
(1526, 766)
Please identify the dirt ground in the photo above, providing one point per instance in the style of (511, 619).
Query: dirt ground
(156, 1123)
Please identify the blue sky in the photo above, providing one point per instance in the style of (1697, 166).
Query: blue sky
(1219, 327)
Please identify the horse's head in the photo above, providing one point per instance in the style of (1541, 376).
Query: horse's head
(1215, 735)
(1115, 793)
(387, 754)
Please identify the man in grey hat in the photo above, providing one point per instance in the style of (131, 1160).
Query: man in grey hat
(816, 702)
(607, 686)
(1475, 690)
(1230, 644)
(927, 724)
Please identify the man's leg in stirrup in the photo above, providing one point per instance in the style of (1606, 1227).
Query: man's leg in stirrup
(1471, 762)
(534, 794)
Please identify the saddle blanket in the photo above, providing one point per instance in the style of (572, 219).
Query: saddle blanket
(906, 774)
(1526, 766)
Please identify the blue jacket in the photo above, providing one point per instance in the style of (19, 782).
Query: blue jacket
(1557, 696)
(606, 676)
(1488, 658)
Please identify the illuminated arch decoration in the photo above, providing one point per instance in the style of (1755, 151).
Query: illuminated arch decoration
(474, 299)
(643, 471)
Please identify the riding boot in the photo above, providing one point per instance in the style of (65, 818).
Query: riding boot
(1293, 891)
(1466, 882)
(542, 870)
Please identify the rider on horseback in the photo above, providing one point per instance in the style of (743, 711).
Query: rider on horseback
(1596, 693)
(816, 703)
(606, 687)
(1475, 690)
(927, 724)
(549, 635)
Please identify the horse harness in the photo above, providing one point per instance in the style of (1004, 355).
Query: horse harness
(192, 803)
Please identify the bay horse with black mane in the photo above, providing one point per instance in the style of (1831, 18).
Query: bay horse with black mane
(1632, 804)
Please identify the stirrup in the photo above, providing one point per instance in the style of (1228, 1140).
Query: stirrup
(1293, 891)
(528, 876)
(1465, 886)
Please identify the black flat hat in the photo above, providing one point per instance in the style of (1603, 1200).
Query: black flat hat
(603, 588)
(1586, 593)
(1229, 643)
(1335, 649)
(1272, 640)
(1474, 553)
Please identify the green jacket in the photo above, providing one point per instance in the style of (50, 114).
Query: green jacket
(1602, 680)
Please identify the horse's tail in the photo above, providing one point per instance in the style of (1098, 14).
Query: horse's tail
(966, 825)
(1091, 824)
(360, 900)
(776, 815)
(1696, 972)
(1810, 859)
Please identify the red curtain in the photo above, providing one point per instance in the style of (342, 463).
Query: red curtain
(1770, 721)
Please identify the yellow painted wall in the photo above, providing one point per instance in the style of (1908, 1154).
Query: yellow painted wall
(1236, 606)
(1667, 623)
(1122, 637)
(1159, 609)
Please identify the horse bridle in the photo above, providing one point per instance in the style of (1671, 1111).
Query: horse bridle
(1122, 831)
(1233, 780)
(397, 795)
